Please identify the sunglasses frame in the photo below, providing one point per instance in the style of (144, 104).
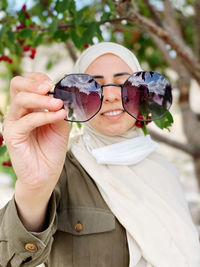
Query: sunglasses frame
(116, 85)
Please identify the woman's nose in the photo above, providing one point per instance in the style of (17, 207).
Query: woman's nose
(111, 93)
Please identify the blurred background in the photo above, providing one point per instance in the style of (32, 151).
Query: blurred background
(48, 35)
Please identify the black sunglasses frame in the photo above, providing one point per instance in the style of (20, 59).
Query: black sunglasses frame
(116, 85)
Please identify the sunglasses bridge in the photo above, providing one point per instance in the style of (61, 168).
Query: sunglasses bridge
(112, 84)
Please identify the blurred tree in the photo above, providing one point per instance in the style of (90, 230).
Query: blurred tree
(161, 33)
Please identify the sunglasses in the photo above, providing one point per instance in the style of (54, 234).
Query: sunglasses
(145, 92)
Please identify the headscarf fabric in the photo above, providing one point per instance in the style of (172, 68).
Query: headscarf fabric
(145, 195)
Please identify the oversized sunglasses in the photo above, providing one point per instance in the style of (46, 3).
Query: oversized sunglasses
(145, 92)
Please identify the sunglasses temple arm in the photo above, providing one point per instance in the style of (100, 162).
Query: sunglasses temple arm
(50, 93)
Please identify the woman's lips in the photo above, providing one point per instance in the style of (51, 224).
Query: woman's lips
(113, 114)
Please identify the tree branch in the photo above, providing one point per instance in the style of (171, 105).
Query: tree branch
(71, 50)
(172, 25)
(67, 26)
(186, 148)
(197, 28)
(182, 50)
(154, 14)
(165, 53)
(191, 125)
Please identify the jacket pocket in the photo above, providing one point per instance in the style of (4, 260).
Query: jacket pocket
(85, 220)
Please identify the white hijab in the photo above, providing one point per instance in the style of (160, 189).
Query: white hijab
(140, 187)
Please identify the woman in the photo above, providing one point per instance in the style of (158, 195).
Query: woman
(117, 202)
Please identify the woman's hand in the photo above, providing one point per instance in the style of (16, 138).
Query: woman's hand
(36, 139)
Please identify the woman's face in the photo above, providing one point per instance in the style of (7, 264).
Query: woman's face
(112, 119)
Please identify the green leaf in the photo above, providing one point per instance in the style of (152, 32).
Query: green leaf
(79, 125)
(78, 18)
(90, 32)
(62, 6)
(53, 26)
(2, 32)
(3, 4)
(25, 33)
(38, 40)
(165, 122)
(49, 64)
(21, 17)
(105, 16)
(75, 39)
(9, 45)
(111, 5)
(2, 150)
(72, 7)
(144, 129)
(11, 36)
(18, 49)
(61, 34)
(1, 48)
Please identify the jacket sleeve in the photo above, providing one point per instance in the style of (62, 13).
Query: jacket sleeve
(19, 247)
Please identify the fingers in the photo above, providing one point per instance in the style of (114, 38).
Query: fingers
(38, 76)
(30, 103)
(37, 119)
(25, 102)
(30, 83)
(31, 121)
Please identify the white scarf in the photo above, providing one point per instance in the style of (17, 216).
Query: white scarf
(145, 196)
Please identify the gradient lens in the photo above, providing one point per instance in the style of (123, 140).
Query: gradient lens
(81, 95)
(147, 93)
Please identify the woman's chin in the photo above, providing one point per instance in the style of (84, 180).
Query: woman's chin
(112, 127)
(114, 130)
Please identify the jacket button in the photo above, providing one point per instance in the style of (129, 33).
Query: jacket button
(78, 227)
(31, 247)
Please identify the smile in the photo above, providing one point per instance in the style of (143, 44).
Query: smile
(113, 113)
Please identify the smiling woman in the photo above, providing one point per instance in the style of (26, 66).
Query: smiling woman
(107, 198)
(111, 119)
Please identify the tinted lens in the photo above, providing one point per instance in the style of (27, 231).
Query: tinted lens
(81, 95)
(147, 93)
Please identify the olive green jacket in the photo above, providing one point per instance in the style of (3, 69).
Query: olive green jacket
(81, 230)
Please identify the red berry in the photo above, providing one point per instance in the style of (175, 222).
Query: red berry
(7, 163)
(139, 124)
(32, 55)
(21, 42)
(26, 48)
(5, 58)
(24, 7)
(27, 15)
(148, 118)
(10, 61)
(21, 26)
(140, 117)
(1, 140)
(86, 45)
(33, 51)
